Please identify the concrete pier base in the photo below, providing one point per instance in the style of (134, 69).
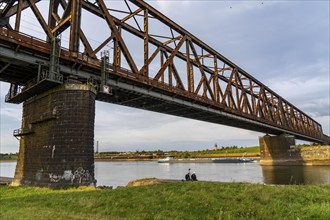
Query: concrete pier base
(57, 138)
(276, 150)
(281, 150)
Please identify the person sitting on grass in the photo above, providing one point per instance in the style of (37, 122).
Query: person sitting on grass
(193, 177)
(187, 176)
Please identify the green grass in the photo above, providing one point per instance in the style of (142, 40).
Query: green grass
(182, 200)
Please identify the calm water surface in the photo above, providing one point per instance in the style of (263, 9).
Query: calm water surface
(120, 173)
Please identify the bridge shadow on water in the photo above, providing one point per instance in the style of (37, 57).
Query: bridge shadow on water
(296, 175)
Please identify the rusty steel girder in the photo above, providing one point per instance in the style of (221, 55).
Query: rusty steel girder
(207, 76)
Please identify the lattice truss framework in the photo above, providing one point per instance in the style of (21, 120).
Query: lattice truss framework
(158, 52)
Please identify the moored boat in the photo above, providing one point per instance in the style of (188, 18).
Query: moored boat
(232, 160)
(165, 160)
(206, 160)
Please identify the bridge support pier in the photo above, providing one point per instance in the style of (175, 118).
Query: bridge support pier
(57, 138)
(278, 150)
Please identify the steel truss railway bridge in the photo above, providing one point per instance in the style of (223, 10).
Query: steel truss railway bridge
(154, 64)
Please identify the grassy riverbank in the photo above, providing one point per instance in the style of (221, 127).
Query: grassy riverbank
(8, 156)
(231, 151)
(182, 200)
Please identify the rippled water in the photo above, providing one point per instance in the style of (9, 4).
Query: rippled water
(120, 173)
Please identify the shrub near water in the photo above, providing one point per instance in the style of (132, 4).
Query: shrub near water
(183, 200)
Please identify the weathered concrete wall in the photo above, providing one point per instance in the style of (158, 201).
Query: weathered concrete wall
(315, 155)
(281, 150)
(57, 147)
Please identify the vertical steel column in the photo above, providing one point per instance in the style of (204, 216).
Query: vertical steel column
(238, 100)
(75, 25)
(190, 74)
(54, 58)
(146, 42)
(161, 64)
(53, 9)
(104, 64)
(215, 79)
(116, 51)
(170, 70)
(18, 15)
(253, 99)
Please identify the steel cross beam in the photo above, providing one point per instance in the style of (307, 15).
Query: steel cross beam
(171, 61)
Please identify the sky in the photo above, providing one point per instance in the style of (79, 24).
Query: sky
(283, 44)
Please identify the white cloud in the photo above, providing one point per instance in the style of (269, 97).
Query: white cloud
(132, 128)
(168, 6)
(11, 112)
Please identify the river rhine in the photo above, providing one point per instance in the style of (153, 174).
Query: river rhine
(120, 173)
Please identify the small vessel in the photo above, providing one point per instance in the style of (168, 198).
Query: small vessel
(185, 160)
(246, 160)
(232, 160)
(206, 160)
(242, 159)
(165, 160)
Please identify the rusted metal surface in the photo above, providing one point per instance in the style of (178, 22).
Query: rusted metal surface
(207, 78)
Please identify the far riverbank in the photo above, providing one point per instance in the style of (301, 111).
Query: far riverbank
(156, 158)
(223, 152)
(231, 151)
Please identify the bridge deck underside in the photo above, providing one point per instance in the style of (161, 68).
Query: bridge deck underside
(13, 72)
(158, 104)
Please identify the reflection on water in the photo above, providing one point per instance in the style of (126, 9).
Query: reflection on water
(120, 173)
(296, 174)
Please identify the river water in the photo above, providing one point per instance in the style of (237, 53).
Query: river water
(120, 173)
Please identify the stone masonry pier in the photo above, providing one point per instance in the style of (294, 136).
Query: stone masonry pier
(57, 137)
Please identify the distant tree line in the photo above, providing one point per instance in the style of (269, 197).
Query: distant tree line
(8, 156)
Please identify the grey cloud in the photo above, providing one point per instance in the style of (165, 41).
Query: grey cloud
(317, 108)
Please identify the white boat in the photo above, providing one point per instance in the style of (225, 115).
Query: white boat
(185, 160)
(246, 160)
(165, 160)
